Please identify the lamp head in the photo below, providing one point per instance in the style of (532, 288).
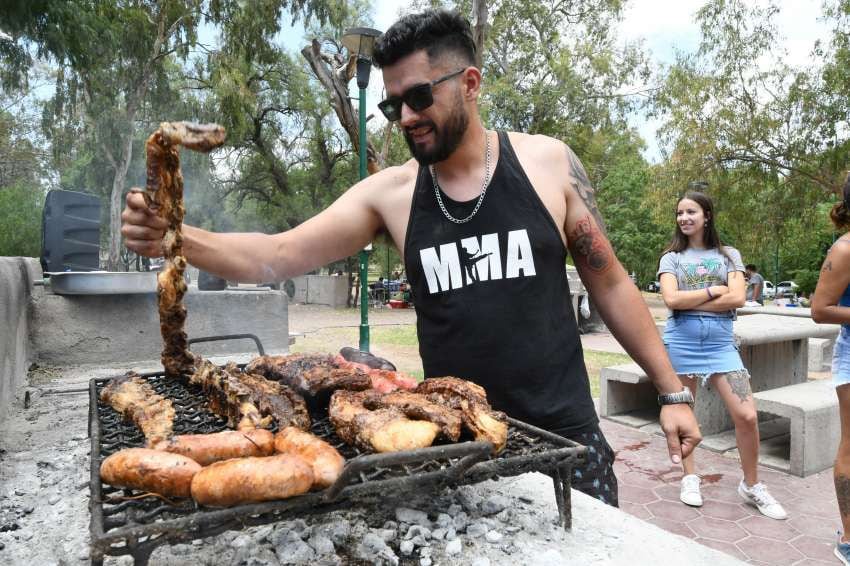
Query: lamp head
(361, 43)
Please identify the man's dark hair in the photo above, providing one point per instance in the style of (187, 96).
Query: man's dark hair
(751, 267)
(438, 32)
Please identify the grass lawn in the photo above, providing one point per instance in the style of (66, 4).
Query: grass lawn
(398, 343)
(595, 361)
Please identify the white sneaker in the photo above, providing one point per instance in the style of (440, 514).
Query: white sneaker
(689, 493)
(758, 495)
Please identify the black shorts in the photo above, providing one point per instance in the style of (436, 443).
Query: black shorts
(596, 477)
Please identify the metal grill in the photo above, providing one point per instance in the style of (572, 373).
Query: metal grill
(128, 522)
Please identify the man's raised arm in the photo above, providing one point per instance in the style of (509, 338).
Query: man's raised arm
(621, 305)
(337, 232)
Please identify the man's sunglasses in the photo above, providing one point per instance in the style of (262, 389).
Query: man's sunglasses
(417, 98)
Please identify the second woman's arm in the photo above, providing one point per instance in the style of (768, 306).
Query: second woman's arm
(686, 300)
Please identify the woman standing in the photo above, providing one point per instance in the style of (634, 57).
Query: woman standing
(831, 303)
(702, 283)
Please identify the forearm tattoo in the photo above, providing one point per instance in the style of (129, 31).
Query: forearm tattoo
(590, 245)
(827, 266)
(842, 493)
(739, 382)
(581, 184)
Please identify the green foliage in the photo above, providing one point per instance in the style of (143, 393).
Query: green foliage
(20, 230)
(634, 233)
(766, 136)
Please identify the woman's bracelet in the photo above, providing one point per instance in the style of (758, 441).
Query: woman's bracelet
(708, 290)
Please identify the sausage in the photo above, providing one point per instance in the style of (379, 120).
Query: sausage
(150, 470)
(208, 448)
(326, 462)
(250, 480)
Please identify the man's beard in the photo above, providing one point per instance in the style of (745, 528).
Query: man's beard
(446, 138)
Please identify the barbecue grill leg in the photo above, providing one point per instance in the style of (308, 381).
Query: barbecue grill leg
(563, 496)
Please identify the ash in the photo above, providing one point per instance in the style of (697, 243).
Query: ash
(44, 516)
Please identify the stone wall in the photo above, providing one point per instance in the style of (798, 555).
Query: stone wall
(17, 275)
(321, 290)
(106, 329)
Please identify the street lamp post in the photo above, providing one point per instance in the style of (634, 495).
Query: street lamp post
(361, 42)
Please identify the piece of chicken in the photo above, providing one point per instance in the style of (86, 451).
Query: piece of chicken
(133, 397)
(478, 417)
(381, 430)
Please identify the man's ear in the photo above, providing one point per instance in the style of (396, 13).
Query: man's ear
(471, 82)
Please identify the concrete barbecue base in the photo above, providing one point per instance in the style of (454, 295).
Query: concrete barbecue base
(44, 518)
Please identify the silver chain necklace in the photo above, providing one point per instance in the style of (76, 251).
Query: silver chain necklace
(483, 187)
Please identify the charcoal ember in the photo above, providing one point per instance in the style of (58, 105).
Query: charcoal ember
(439, 533)
(476, 530)
(406, 547)
(444, 520)
(388, 535)
(454, 547)
(294, 551)
(321, 543)
(461, 521)
(339, 531)
(495, 504)
(412, 516)
(373, 549)
(493, 537)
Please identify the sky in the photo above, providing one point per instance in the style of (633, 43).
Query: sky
(663, 35)
(642, 20)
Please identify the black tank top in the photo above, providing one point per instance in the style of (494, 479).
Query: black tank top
(492, 299)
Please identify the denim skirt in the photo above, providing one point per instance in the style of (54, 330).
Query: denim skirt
(701, 345)
(841, 358)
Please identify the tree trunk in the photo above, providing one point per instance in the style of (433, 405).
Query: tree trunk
(336, 85)
(479, 29)
(113, 261)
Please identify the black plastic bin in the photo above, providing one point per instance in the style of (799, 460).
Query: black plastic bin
(70, 232)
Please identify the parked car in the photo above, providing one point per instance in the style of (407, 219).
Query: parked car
(768, 290)
(653, 287)
(786, 289)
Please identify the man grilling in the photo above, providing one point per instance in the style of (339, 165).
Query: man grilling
(483, 221)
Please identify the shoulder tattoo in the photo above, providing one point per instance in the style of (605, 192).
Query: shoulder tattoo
(581, 184)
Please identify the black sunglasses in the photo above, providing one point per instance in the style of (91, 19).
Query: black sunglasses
(417, 98)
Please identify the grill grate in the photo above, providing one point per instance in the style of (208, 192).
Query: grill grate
(128, 522)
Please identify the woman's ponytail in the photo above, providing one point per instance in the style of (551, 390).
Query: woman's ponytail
(840, 213)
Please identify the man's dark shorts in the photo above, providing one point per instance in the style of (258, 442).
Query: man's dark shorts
(596, 477)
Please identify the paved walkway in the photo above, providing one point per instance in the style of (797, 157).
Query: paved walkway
(649, 489)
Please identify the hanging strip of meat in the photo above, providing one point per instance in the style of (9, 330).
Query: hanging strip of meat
(164, 194)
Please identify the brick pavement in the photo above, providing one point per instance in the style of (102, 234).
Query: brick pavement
(649, 489)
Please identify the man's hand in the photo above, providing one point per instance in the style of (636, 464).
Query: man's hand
(681, 429)
(141, 227)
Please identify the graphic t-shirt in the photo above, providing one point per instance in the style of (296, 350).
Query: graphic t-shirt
(697, 269)
(755, 280)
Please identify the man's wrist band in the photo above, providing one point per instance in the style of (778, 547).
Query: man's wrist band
(708, 290)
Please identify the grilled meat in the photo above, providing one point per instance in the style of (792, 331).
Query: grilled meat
(250, 480)
(418, 407)
(309, 374)
(164, 194)
(135, 399)
(214, 447)
(247, 400)
(471, 400)
(381, 430)
(323, 458)
(150, 470)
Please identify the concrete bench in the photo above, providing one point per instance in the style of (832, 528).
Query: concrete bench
(820, 353)
(812, 408)
(627, 396)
